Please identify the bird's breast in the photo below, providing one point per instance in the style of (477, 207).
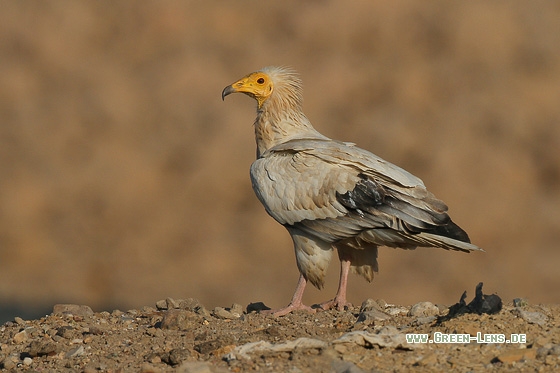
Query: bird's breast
(293, 188)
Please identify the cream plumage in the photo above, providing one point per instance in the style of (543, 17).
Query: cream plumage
(330, 194)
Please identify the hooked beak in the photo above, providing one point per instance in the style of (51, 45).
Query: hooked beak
(227, 91)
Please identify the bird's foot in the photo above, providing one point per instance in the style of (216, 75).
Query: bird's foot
(339, 304)
(288, 309)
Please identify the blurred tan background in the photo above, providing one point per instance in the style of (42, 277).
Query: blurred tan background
(124, 178)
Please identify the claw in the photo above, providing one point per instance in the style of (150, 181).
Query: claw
(339, 304)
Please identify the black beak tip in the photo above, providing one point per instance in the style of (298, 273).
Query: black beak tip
(227, 90)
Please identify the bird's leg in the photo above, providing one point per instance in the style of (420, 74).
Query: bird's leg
(296, 302)
(339, 300)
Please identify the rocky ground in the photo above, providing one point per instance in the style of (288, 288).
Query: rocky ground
(183, 336)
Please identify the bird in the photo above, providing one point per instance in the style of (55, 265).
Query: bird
(330, 194)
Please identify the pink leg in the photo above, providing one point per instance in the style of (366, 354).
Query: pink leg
(339, 300)
(296, 302)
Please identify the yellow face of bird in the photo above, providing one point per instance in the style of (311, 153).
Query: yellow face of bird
(257, 85)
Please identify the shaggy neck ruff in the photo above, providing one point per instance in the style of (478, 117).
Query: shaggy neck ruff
(281, 118)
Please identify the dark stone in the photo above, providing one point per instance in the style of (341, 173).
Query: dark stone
(257, 306)
(482, 303)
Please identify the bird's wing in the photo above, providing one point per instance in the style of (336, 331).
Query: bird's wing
(335, 191)
(294, 184)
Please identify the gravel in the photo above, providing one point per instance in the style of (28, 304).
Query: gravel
(183, 336)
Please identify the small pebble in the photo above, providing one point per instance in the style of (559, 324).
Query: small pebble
(43, 348)
(232, 313)
(388, 330)
(178, 355)
(76, 351)
(371, 304)
(424, 320)
(179, 319)
(520, 302)
(191, 304)
(555, 350)
(236, 309)
(66, 332)
(171, 303)
(396, 310)
(153, 358)
(72, 309)
(20, 337)
(148, 309)
(161, 304)
(27, 361)
(423, 309)
(531, 317)
(371, 316)
(96, 330)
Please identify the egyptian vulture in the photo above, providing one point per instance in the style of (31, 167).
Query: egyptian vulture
(333, 195)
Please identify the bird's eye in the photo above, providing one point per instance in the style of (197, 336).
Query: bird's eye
(260, 80)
